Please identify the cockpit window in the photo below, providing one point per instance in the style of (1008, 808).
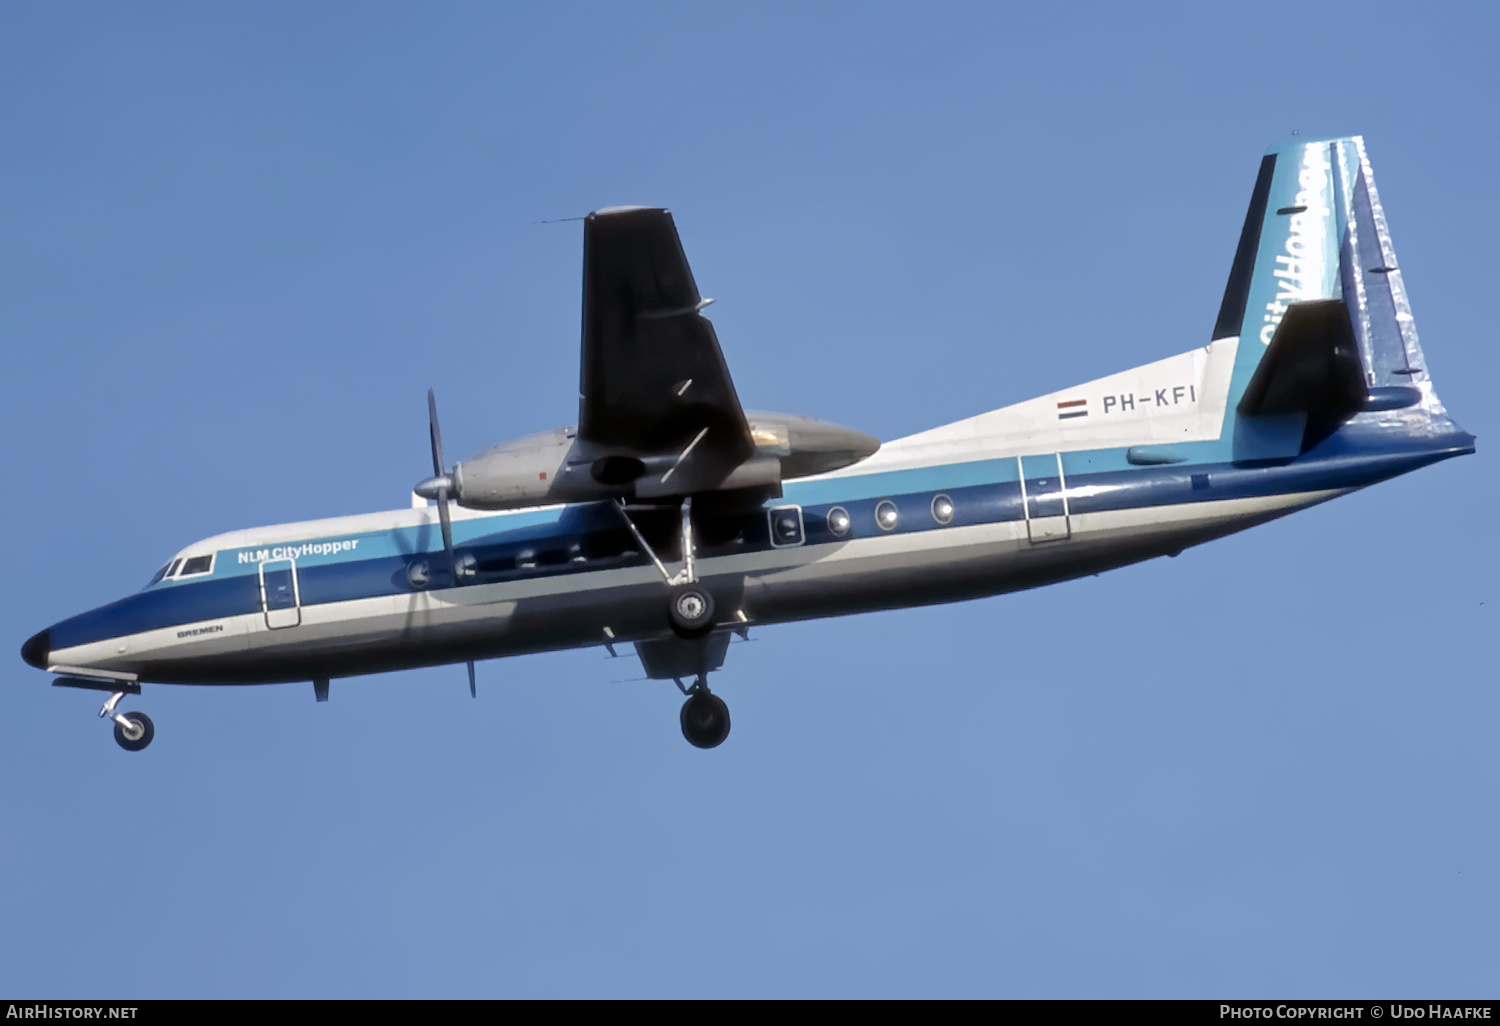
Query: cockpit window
(159, 574)
(197, 565)
(175, 564)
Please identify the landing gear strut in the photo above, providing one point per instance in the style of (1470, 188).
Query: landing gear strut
(690, 612)
(133, 730)
(690, 609)
(704, 716)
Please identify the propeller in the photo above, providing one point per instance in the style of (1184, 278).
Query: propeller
(439, 487)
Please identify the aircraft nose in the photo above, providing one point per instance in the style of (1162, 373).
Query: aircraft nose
(38, 650)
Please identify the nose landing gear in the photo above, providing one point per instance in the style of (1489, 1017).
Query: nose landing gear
(133, 730)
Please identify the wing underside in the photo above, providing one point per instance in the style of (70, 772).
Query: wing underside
(654, 382)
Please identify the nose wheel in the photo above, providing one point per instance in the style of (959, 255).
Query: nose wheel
(133, 730)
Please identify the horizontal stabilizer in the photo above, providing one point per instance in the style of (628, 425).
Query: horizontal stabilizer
(1311, 366)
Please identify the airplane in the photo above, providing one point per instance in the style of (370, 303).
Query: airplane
(671, 518)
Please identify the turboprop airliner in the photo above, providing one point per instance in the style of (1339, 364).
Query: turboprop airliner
(671, 519)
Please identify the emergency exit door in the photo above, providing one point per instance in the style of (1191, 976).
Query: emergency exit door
(278, 593)
(1044, 497)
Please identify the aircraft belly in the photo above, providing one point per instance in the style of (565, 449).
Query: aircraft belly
(990, 559)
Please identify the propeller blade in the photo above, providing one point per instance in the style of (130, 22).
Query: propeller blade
(436, 487)
(472, 692)
(442, 505)
(439, 468)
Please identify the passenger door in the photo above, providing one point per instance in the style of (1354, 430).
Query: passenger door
(278, 593)
(1044, 497)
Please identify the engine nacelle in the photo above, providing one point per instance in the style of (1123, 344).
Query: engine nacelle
(520, 472)
(806, 445)
(557, 466)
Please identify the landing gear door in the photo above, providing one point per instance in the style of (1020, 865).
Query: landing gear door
(278, 593)
(1044, 497)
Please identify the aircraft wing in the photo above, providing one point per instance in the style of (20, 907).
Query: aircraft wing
(654, 382)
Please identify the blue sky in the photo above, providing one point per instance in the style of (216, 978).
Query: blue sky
(240, 242)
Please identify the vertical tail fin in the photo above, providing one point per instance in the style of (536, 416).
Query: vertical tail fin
(1315, 232)
(1237, 291)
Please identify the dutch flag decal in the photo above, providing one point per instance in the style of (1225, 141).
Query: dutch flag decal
(1072, 408)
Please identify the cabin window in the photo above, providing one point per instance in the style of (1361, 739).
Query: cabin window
(786, 526)
(197, 565)
(886, 515)
(839, 521)
(942, 509)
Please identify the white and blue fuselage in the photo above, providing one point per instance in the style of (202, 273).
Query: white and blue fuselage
(1125, 468)
(365, 593)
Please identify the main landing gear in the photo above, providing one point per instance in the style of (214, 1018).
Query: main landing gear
(697, 649)
(704, 716)
(690, 607)
(133, 730)
(691, 610)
